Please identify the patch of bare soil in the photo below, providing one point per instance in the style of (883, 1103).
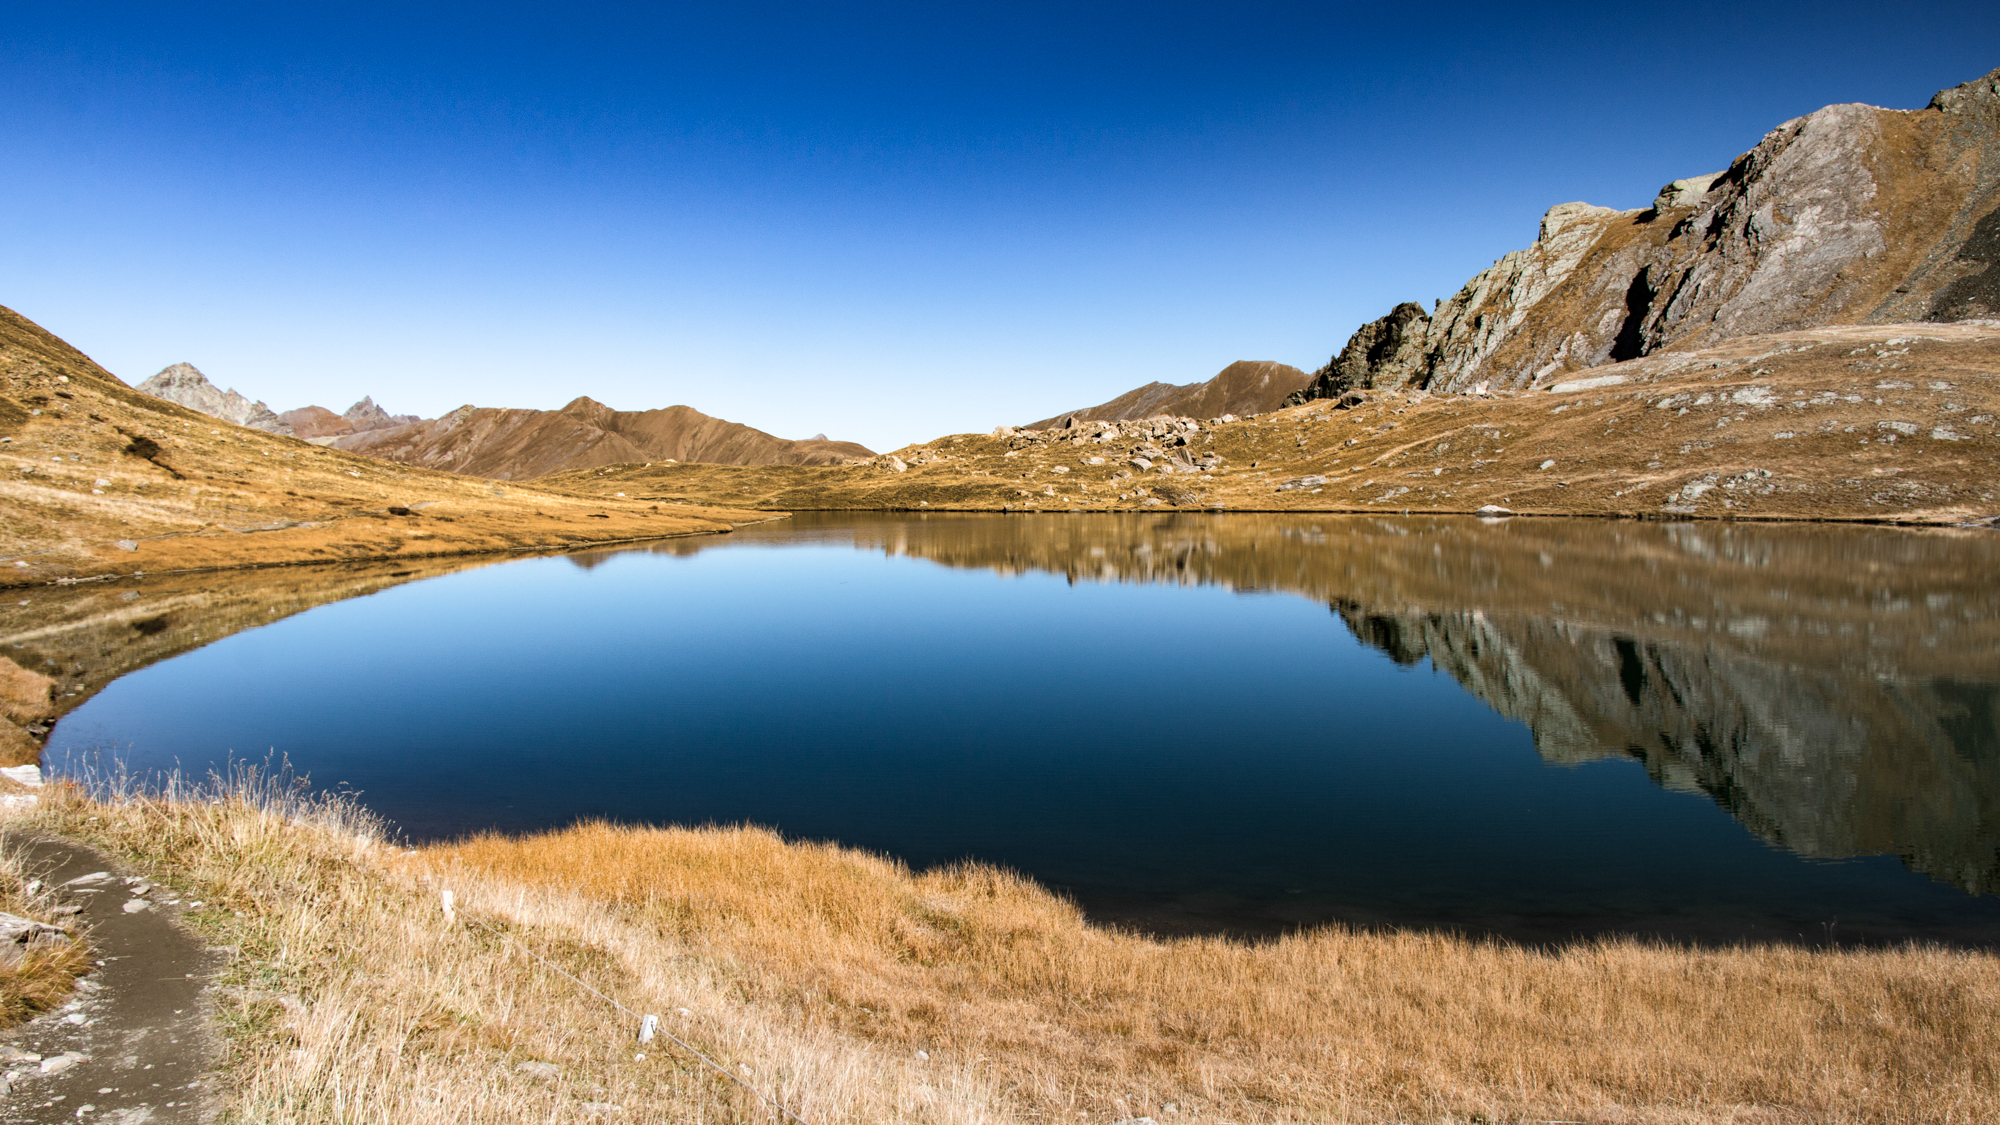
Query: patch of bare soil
(1881, 422)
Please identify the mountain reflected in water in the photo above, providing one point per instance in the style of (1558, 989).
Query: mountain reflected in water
(1836, 688)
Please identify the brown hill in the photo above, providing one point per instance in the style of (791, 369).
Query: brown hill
(1248, 386)
(1850, 215)
(521, 444)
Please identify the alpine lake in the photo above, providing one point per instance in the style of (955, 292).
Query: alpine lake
(1538, 730)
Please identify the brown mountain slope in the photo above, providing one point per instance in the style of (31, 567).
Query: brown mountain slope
(521, 444)
(1850, 215)
(98, 479)
(1248, 386)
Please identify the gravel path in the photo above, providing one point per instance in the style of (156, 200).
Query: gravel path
(133, 1044)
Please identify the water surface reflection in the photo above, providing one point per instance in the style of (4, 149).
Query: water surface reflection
(1193, 760)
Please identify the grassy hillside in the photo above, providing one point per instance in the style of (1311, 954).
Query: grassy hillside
(1892, 422)
(97, 479)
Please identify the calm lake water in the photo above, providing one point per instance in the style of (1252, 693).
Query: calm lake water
(1535, 729)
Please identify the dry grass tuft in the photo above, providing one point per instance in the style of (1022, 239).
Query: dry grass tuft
(40, 976)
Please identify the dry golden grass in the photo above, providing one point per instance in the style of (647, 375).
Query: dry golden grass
(819, 973)
(985, 970)
(42, 975)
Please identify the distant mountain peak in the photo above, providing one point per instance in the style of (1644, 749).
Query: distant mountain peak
(184, 384)
(365, 415)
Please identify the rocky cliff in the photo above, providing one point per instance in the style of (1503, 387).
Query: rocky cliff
(1248, 386)
(521, 444)
(1850, 215)
(184, 384)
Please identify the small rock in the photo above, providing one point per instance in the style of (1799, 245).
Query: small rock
(1494, 510)
(30, 776)
(62, 1062)
(540, 1070)
(89, 880)
(13, 1054)
(126, 545)
(19, 930)
(606, 1108)
(1548, 465)
(895, 464)
(137, 906)
(923, 1056)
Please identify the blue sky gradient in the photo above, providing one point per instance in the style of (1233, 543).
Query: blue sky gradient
(886, 222)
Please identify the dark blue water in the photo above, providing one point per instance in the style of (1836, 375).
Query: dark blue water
(1179, 756)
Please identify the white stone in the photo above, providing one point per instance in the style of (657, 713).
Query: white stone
(1589, 384)
(30, 775)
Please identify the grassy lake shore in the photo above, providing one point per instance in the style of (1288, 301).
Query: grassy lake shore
(856, 990)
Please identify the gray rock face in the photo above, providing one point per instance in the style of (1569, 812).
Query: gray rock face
(182, 383)
(1850, 215)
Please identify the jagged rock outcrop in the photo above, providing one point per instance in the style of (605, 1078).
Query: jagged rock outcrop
(1385, 353)
(522, 444)
(1850, 215)
(184, 384)
(1248, 386)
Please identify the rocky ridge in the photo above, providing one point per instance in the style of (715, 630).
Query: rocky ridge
(1849, 215)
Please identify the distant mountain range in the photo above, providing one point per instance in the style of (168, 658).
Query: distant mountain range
(520, 444)
(509, 444)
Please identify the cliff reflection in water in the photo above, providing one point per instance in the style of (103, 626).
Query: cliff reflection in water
(1837, 689)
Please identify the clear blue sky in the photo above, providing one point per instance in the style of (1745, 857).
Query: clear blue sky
(886, 222)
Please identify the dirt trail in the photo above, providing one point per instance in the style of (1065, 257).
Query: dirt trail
(133, 1043)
